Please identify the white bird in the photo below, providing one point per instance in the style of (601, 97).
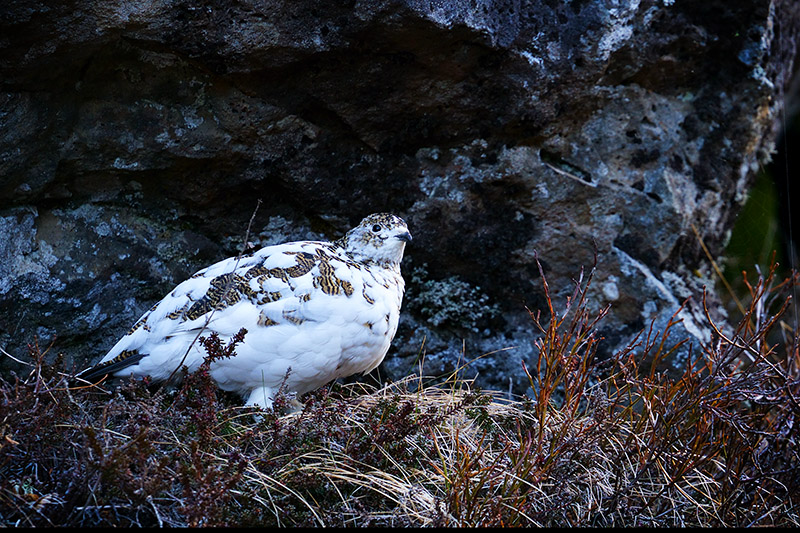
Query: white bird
(317, 310)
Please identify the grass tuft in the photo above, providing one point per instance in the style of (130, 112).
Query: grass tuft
(599, 443)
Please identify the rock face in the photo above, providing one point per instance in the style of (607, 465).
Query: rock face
(137, 138)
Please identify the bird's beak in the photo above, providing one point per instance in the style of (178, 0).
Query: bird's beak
(405, 237)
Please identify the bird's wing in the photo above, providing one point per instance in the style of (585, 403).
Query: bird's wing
(272, 286)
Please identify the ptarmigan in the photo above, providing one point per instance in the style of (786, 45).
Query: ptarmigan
(319, 310)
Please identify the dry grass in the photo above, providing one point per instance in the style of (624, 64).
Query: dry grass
(611, 443)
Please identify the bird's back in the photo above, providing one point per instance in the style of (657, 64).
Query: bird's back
(305, 306)
(313, 311)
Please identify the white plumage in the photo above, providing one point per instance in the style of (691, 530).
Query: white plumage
(320, 310)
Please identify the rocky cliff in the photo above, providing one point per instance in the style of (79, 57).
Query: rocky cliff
(137, 138)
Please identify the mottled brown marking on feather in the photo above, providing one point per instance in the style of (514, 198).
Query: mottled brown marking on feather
(264, 320)
(366, 296)
(347, 287)
(279, 273)
(267, 297)
(327, 280)
(231, 286)
(139, 323)
(289, 317)
(256, 271)
(305, 262)
(124, 354)
(178, 313)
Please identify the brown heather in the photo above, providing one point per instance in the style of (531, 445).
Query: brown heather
(601, 443)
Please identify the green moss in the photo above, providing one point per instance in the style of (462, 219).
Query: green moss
(756, 232)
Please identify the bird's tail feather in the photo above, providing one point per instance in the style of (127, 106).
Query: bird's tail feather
(123, 360)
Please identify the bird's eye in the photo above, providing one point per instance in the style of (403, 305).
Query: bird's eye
(376, 228)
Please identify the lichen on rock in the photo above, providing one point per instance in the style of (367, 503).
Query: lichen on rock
(138, 140)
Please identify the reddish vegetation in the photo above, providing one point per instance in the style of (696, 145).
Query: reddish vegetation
(599, 443)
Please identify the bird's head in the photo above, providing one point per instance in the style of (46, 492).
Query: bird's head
(381, 238)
